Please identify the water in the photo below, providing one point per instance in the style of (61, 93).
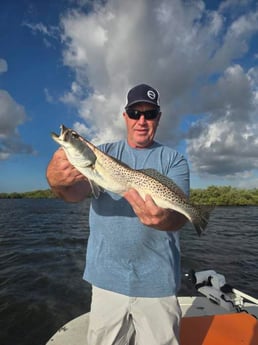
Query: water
(42, 258)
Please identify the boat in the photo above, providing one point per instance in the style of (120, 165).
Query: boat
(219, 315)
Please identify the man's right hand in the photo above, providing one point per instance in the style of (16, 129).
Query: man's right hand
(65, 180)
(60, 172)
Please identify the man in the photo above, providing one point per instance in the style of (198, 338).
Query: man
(133, 255)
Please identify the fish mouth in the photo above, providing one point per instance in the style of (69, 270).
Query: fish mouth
(62, 136)
(66, 135)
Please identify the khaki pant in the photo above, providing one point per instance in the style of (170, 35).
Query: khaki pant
(117, 319)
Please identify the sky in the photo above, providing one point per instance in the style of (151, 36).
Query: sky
(72, 62)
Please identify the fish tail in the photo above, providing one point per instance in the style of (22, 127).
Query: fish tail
(200, 223)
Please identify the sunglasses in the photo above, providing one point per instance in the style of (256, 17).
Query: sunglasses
(148, 114)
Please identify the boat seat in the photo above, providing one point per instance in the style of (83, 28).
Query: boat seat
(225, 329)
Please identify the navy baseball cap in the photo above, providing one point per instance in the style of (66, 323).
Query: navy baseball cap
(142, 93)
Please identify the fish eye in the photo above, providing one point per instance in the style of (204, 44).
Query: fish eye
(74, 134)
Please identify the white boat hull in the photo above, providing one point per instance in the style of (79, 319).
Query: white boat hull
(75, 331)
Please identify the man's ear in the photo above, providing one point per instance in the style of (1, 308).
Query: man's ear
(159, 116)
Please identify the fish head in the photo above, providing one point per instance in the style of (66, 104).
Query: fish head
(75, 146)
(66, 138)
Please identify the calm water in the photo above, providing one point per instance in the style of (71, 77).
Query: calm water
(42, 251)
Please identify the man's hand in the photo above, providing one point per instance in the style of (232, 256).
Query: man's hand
(152, 215)
(60, 172)
(66, 181)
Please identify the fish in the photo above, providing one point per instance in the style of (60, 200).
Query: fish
(108, 173)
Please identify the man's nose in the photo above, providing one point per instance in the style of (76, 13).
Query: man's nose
(142, 119)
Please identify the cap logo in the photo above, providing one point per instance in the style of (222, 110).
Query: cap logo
(142, 93)
(151, 94)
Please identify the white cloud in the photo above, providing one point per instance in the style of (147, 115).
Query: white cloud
(71, 97)
(185, 50)
(232, 5)
(222, 149)
(49, 33)
(3, 66)
(48, 96)
(227, 143)
(12, 115)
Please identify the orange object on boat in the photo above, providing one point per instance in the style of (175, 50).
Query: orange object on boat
(225, 329)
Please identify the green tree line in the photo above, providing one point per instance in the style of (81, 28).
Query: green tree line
(36, 194)
(224, 196)
(212, 195)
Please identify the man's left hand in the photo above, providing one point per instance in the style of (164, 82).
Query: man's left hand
(152, 215)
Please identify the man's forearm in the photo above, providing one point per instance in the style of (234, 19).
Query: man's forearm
(74, 193)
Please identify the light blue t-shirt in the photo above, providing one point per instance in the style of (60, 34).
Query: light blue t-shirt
(123, 255)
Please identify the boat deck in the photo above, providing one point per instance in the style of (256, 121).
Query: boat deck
(203, 323)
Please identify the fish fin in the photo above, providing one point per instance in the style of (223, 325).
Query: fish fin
(204, 215)
(151, 172)
(95, 188)
(168, 182)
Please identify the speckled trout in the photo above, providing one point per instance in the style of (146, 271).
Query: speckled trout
(105, 172)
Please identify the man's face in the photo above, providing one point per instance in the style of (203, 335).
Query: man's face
(141, 132)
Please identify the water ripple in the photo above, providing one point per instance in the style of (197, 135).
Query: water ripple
(42, 259)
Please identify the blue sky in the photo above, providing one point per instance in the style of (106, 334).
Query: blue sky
(73, 61)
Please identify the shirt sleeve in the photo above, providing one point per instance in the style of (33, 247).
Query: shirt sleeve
(180, 174)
